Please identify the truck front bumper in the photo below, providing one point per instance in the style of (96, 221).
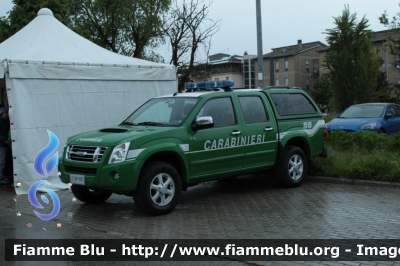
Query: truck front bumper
(118, 177)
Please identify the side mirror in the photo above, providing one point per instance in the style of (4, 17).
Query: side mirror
(203, 122)
(387, 116)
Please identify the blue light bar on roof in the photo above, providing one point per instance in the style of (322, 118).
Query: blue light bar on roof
(209, 84)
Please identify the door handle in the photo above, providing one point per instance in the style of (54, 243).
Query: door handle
(234, 133)
(268, 129)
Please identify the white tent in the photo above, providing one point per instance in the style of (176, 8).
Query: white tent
(56, 80)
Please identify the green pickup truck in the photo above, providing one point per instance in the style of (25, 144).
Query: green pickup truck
(176, 141)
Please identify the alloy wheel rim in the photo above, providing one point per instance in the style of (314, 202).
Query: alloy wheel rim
(162, 189)
(295, 167)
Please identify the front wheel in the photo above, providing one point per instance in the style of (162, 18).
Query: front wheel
(93, 196)
(292, 169)
(159, 189)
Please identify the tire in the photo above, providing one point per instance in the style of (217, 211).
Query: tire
(292, 169)
(92, 196)
(381, 131)
(159, 189)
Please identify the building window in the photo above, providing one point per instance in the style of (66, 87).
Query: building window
(287, 81)
(308, 83)
(286, 64)
(276, 65)
(216, 79)
(316, 68)
(276, 82)
(316, 64)
(307, 66)
(227, 78)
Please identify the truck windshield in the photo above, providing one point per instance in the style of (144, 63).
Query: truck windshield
(168, 111)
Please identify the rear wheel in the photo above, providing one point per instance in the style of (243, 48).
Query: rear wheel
(93, 196)
(292, 169)
(381, 131)
(159, 189)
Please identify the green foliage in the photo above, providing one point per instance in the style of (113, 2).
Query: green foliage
(129, 27)
(330, 116)
(394, 25)
(366, 140)
(360, 155)
(98, 21)
(383, 92)
(321, 92)
(352, 60)
(4, 28)
(24, 11)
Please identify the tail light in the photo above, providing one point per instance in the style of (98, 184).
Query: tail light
(325, 135)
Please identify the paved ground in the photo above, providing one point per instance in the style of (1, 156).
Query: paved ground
(248, 207)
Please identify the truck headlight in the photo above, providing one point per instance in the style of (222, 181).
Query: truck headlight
(119, 153)
(368, 127)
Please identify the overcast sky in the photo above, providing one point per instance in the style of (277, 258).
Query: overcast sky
(283, 22)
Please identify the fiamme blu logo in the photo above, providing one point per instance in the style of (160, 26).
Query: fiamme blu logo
(43, 165)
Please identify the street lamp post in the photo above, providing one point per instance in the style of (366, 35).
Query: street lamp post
(259, 46)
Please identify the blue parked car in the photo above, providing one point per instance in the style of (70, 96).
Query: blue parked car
(377, 117)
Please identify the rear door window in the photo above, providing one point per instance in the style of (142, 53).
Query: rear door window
(293, 104)
(253, 109)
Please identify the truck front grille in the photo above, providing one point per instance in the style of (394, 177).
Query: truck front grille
(89, 154)
(80, 170)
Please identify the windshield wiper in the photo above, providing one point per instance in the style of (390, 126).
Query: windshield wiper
(150, 124)
(127, 123)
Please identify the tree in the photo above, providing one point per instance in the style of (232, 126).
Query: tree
(352, 60)
(24, 11)
(128, 27)
(99, 21)
(394, 25)
(321, 91)
(383, 92)
(144, 27)
(187, 28)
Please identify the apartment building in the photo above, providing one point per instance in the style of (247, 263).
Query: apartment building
(391, 63)
(220, 67)
(249, 74)
(294, 65)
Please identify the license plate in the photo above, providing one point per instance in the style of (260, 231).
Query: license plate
(77, 179)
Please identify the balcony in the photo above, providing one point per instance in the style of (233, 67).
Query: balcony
(226, 70)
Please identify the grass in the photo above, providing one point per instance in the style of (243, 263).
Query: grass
(360, 155)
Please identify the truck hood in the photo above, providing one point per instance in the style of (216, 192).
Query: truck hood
(116, 135)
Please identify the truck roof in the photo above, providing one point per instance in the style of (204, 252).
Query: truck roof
(204, 92)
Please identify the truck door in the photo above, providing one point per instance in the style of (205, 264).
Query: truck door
(215, 150)
(260, 130)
